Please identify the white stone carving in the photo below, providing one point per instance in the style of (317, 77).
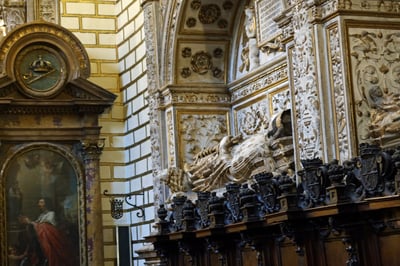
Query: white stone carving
(281, 101)
(195, 98)
(235, 159)
(305, 87)
(48, 10)
(375, 57)
(171, 138)
(250, 51)
(199, 131)
(253, 119)
(268, 78)
(14, 16)
(150, 27)
(339, 93)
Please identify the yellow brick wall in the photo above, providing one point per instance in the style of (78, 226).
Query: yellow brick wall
(95, 24)
(113, 35)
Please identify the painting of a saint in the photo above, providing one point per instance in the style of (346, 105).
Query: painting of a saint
(42, 210)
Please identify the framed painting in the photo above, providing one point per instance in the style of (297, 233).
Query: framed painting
(41, 190)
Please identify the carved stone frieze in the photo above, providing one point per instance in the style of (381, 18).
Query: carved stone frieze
(195, 98)
(375, 68)
(269, 78)
(374, 5)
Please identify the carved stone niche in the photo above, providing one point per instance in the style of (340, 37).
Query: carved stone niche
(50, 147)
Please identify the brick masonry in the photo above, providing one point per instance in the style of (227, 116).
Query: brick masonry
(112, 33)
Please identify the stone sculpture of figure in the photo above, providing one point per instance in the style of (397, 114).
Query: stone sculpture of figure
(233, 160)
(250, 50)
(385, 114)
(250, 24)
(383, 105)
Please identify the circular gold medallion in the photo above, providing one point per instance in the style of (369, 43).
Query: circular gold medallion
(40, 70)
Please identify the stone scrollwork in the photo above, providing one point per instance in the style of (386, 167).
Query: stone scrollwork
(235, 159)
(375, 58)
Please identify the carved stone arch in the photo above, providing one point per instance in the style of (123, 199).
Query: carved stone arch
(212, 23)
(169, 38)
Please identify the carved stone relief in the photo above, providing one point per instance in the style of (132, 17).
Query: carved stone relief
(47, 10)
(198, 63)
(249, 56)
(305, 87)
(152, 61)
(256, 46)
(171, 138)
(14, 15)
(253, 119)
(203, 63)
(336, 69)
(208, 15)
(236, 159)
(375, 66)
(280, 100)
(198, 132)
(196, 97)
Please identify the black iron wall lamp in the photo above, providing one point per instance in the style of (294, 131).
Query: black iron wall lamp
(117, 202)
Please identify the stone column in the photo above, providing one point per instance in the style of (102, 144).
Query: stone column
(91, 151)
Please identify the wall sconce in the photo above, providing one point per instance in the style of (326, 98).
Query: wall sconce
(117, 201)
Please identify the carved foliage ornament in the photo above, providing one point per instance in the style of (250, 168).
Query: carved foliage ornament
(305, 84)
(199, 131)
(338, 91)
(253, 119)
(375, 57)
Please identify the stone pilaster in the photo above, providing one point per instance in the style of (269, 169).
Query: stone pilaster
(306, 95)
